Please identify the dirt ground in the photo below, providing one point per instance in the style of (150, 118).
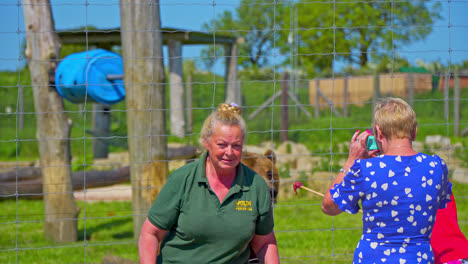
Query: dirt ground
(118, 192)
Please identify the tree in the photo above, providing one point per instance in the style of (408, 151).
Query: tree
(355, 32)
(254, 21)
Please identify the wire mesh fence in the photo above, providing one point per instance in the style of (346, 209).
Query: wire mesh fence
(305, 73)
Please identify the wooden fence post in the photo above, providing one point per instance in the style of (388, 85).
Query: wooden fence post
(145, 93)
(176, 88)
(456, 104)
(53, 126)
(446, 95)
(101, 130)
(284, 106)
(411, 89)
(233, 94)
(317, 96)
(189, 102)
(20, 107)
(345, 97)
(376, 88)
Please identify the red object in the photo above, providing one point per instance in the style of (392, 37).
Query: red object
(297, 185)
(447, 240)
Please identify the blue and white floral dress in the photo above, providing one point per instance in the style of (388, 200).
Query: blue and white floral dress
(400, 196)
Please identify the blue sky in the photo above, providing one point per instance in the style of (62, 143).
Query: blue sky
(444, 44)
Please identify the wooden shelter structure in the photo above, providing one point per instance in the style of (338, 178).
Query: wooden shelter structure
(174, 39)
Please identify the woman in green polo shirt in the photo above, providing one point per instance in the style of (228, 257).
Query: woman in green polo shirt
(214, 210)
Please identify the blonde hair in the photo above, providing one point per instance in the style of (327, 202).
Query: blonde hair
(395, 118)
(226, 114)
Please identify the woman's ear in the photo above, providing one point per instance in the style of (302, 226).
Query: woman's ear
(414, 133)
(205, 143)
(379, 135)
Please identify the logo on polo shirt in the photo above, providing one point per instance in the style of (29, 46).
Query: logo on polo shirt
(244, 205)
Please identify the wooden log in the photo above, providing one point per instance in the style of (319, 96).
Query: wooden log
(21, 174)
(182, 153)
(30, 186)
(32, 189)
(28, 173)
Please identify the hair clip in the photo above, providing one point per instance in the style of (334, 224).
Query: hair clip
(234, 104)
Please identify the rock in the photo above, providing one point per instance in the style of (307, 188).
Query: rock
(418, 146)
(305, 164)
(457, 146)
(268, 145)
(460, 175)
(321, 180)
(290, 147)
(254, 149)
(438, 140)
(289, 152)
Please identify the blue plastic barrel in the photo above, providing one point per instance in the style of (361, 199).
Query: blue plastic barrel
(82, 76)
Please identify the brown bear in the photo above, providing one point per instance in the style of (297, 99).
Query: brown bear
(266, 167)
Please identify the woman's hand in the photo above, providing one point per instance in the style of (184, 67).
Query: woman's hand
(148, 243)
(358, 148)
(265, 248)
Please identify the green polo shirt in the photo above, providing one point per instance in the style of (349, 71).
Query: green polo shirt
(203, 230)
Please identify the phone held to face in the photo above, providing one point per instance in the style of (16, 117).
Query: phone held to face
(371, 143)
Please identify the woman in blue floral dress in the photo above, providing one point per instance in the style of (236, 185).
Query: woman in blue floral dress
(400, 190)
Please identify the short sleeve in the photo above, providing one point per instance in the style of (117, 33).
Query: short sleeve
(165, 210)
(446, 188)
(265, 222)
(348, 193)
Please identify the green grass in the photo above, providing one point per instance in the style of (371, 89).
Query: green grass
(107, 227)
(304, 233)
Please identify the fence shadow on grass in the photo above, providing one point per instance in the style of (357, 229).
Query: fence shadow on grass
(109, 224)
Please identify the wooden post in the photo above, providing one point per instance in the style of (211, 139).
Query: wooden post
(176, 88)
(189, 68)
(284, 106)
(345, 97)
(456, 104)
(298, 104)
(53, 126)
(239, 92)
(265, 104)
(411, 89)
(376, 88)
(317, 96)
(101, 130)
(189, 102)
(20, 108)
(145, 94)
(233, 93)
(446, 95)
